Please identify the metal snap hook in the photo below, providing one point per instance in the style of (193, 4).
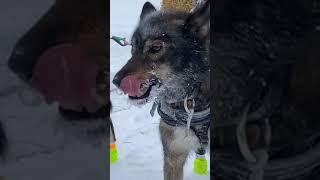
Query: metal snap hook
(189, 111)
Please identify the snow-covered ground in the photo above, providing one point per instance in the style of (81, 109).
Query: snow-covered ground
(138, 141)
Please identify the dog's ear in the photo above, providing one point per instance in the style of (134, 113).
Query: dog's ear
(147, 8)
(198, 21)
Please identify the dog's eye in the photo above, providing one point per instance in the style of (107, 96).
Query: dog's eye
(156, 47)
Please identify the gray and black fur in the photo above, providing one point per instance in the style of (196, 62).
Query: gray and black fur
(172, 47)
(184, 53)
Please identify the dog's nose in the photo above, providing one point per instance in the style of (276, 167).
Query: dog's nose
(116, 80)
(19, 63)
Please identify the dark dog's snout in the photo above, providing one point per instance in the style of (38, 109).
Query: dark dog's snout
(122, 73)
(116, 80)
(24, 56)
(21, 68)
(30, 46)
(129, 83)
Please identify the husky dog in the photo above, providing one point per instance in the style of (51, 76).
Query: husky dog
(68, 25)
(170, 65)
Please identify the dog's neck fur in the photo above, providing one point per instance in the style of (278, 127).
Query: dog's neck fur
(202, 103)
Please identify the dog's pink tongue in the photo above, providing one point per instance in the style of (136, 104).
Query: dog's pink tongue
(66, 74)
(131, 85)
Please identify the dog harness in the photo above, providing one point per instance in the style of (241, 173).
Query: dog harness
(199, 123)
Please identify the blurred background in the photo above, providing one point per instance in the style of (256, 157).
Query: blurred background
(41, 146)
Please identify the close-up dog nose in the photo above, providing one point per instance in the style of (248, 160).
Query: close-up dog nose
(18, 64)
(116, 80)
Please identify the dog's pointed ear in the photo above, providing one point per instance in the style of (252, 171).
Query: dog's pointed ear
(198, 21)
(147, 8)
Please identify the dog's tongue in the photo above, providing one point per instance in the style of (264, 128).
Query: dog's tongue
(131, 85)
(66, 74)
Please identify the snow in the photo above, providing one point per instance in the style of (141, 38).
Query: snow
(138, 141)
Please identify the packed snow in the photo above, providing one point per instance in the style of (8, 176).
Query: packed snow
(137, 133)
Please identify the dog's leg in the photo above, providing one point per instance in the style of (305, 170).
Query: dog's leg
(176, 146)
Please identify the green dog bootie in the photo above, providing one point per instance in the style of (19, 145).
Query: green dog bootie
(200, 165)
(113, 153)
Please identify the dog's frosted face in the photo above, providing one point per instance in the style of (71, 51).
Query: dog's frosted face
(169, 55)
